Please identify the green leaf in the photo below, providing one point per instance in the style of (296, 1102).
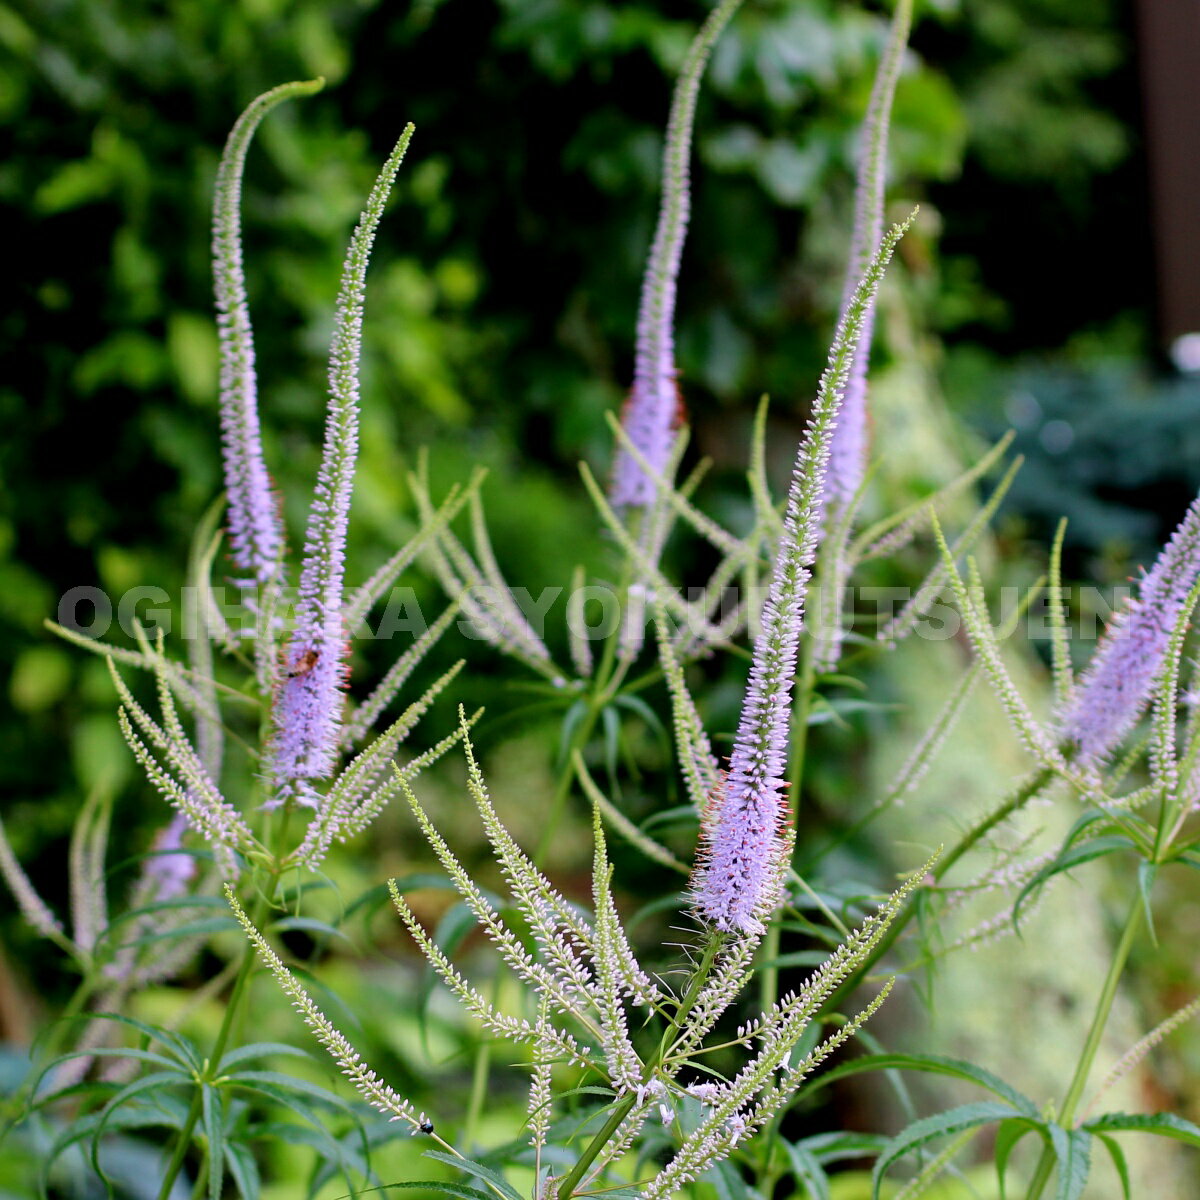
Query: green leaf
(637, 705)
(243, 1170)
(478, 1170)
(156, 1079)
(570, 722)
(331, 1154)
(611, 740)
(1007, 1136)
(725, 1181)
(411, 883)
(202, 928)
(175, 1043)
(292, 1095)
(259, 1050)
(459, 1190)
(933, 1064)
(1069, 858)
(919, 1133)
(1118, 1160)
(1164, 1124)
(838, 1146)
(213, 1117)
(1147, 872)
(160, 906)
(133, 1116)
(147, 1056)
(1073, 1150)
(286, 1090)
(309, 925)
(808, 1172)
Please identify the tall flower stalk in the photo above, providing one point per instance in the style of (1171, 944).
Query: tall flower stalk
(1116, 687)
(848, 448)
(738, 882)
(651, 412)
(309, 701)
(255, 525)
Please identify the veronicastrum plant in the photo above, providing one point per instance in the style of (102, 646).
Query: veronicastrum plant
(648, 1075)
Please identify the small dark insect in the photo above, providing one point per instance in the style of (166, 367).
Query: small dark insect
(426, 1126)
(308, 660)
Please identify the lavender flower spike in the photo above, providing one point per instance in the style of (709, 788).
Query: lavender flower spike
(1120, 678)
(255, 528)
(308, 703)
(738, 879)
(848, 451)
(650, 412)
(169, 872)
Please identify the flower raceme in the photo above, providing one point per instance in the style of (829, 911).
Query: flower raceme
(738, 881)
(848, 448)
(255, 526)
(651, 413)
(1118, 682)
(309, 700)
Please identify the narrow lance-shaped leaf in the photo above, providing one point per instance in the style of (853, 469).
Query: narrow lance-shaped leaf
(255, 528)
(737, 881)
(650, 412)
(309, 700)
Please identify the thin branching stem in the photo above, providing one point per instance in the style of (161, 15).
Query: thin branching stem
(1019, 797)
(624, 1106)
(232, 1010)
(1083, 1068)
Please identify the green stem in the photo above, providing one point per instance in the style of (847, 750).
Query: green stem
(1018, 798)
(605, 684)
(1083, 1068)
(568, 1183)
(201, 1184)
(218, 1051)
(480, 1073)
